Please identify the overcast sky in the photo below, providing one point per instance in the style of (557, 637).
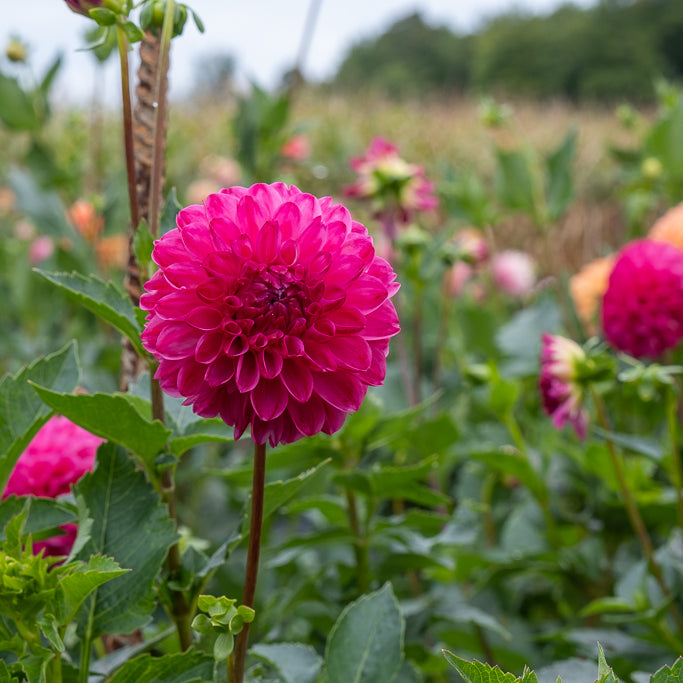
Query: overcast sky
(262, 35)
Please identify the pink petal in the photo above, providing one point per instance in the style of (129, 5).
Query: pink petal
(269, 399)
(297, 379)
(268, 243)
(247, 373)
(176, 341)
(308, 417)
(340, 389)
(209, 347)
(204, 318)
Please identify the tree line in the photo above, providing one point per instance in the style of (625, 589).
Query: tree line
(613, 50)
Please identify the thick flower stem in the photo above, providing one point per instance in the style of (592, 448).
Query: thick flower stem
(128, 128)
(360, 545)
(634, 513)
(673, 409)
(238, 657)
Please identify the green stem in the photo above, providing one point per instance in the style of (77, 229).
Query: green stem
(159, 119)
(128, 128)
(360, 545)
(417, 341)
(238, 657)
(672, 408)
(634, 513)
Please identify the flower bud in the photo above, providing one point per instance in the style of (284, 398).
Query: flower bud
(83, 6)
(16, 50)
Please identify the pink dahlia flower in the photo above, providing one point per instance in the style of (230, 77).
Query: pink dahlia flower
(642, 310)
(40, 250)
(270, 309)
(561, 393)
(384, 176)
(514, 272)
(57, 457)
(296, 148)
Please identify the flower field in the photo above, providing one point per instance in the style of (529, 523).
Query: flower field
(307, 389)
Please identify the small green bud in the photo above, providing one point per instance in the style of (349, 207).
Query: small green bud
(16, 50)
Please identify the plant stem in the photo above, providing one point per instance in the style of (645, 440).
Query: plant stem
(128, 128)
(238, 657)
(360, 545)
(417, 341)
(672, 409)
(634, 513)
(160, 118)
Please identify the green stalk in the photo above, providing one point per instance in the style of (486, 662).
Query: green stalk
(672, 408)
(634, 513)
(237, 659)
(360, 544)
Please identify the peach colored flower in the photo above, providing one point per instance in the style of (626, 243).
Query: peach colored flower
(587, 287)
(669, 227)
(112, 252)
(86, 220)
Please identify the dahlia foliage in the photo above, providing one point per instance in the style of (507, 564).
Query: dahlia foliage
(642, 310)
(57, 457)
(561, 391)
(271, 310)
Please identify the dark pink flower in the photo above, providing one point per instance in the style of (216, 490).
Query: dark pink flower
(83, 6)
(387, 179)
(57, 457)
(642, 310)
(561, 392)
(271, 309)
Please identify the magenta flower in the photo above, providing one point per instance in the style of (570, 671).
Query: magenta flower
(83, 6)
(391, 182)
(270, 309)
(57, 457)
(561, 392)
(514, 272)
(642, 310)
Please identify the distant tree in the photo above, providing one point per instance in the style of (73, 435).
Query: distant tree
(412, 58)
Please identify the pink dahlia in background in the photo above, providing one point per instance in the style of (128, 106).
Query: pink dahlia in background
(514, 272)
(561, 392)
(57, 457)
(386, 178)
(642, 310)
(296, 148)
(271, 310)
(41, 249)
(471, 246)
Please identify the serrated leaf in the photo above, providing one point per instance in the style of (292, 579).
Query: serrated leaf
(22, 413)
(113, 418)
(190, 666)
(103, 299)
(669, 675)
(605, 673)
(366, 643)
(479, 672)
(74, 588)
(294, 662)
(131, 525)
(44, 515)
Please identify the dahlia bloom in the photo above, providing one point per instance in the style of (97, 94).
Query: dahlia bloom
(471, 246)
(561, 393)
(514, 272)
(296, 148)
(83, 6)
(457, 277)
(385, 177)
(587, 287)
(57, 457)
(41, 249)
(642, 310)
(270, 309)
(86, 220)
(669, 227)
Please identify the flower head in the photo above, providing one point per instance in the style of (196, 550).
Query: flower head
(388, 180)
(587, 287)
(83, 6)
(57, 457)
(561, 392)
(270, 309)
(642, 310)
(514, 272)
(471, 246)
(669, 227)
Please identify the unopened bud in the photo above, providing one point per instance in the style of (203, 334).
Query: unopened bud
(16, 50)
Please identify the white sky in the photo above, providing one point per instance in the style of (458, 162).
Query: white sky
(262, 35)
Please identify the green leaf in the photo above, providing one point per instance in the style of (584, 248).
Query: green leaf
(49, 77)
(103, 16)
(606, 605)
(112, 417)
(515, 182)
(103, 299)
(605, 673)
(16, 107)
(170, 211)
(143, 244)
(74, 588)
(478, 672)
(133, 33)
(22, 413)
(294, 662)
(187, 667)
(131, 525)
(366, 643)
(45, 515)
(669, 675)
(560, 189)
(223, 646)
